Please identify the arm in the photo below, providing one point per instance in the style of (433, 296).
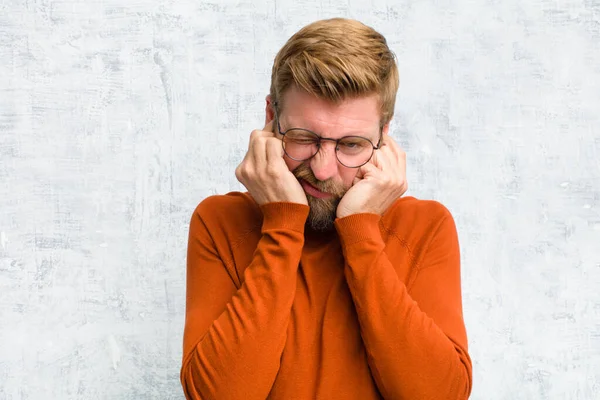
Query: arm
(233, 339)
(414, 336)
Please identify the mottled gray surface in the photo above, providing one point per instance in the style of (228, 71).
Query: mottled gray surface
(117, 118)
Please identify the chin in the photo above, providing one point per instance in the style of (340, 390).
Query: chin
(321, 216)
(320, 225)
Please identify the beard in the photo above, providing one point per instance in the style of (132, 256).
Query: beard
(322, 212)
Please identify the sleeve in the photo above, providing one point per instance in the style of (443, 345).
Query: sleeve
(415, 336)
(233, 339)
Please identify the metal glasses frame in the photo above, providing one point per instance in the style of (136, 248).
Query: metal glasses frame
(320, 139)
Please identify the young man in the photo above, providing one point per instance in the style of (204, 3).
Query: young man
(321, 282)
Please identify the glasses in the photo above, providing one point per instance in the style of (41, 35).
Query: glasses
(351, 151)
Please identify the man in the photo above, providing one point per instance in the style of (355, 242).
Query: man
(321, 282)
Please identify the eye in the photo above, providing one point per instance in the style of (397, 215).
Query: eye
(353, 143)
(300, 137)
(303, 140)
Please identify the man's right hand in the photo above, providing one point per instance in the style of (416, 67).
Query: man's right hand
(264, 172)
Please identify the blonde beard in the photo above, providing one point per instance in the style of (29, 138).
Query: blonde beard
(322, 212)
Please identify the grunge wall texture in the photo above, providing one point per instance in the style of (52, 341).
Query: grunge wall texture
(117, 118)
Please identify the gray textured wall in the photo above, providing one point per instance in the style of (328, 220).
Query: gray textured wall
(117, 118)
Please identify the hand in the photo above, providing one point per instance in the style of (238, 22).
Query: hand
(378, 184)
(264, 172)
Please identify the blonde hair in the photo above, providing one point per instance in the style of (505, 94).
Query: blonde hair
(337, 59)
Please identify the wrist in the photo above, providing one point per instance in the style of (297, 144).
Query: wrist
(347, 213)
(284, 215)
(358, 227)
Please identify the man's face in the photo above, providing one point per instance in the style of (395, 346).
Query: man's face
(324, 179)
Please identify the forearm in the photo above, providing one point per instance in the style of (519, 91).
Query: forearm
(238, 356)
(409, 354)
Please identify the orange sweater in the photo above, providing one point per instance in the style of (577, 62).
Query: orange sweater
(372, 310)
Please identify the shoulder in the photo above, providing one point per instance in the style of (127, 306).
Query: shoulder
(228, 212)
(226, 203)
(410, 218)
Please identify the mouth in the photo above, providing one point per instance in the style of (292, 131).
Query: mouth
(313, 191)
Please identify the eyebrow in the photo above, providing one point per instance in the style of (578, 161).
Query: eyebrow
(351, 133)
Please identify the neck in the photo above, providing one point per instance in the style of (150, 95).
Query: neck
(314, 236)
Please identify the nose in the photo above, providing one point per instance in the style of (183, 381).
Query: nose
(324, 164)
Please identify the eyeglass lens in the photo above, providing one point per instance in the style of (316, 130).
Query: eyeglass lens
(351, 151)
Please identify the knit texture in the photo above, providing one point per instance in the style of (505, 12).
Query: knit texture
(370, 310)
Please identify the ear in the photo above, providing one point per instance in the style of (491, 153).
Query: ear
(269, 110)
(386, 128)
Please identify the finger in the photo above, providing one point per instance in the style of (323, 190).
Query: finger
(397, 162)
(260, 133)
(391, 144)
(367, 170)
(398, 157)
(385, 141)
(397, 154)
(274, 150)
(269, 126)
(360, 175)
(258, 149)
(267, 131)
(381, 158)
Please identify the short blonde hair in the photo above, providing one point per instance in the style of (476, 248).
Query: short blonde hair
(337, 59)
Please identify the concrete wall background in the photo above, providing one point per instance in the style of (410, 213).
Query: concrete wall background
(117, 118)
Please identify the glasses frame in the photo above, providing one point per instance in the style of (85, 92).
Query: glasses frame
(320, 139)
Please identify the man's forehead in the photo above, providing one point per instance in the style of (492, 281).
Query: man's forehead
(355, 114)
(298, 96)
(335, 126)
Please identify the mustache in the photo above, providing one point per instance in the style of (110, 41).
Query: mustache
(304, 172)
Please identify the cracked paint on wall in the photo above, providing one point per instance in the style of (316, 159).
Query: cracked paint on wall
(116, 119)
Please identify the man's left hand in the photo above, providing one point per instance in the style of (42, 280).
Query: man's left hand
(378, 183)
